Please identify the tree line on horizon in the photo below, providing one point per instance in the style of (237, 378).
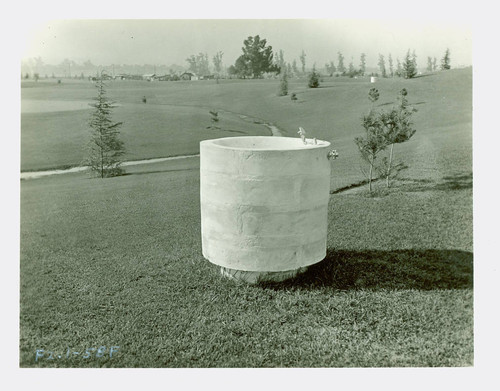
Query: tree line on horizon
(256, 61)
(105, 148)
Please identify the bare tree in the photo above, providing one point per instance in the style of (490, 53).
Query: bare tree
(217, 60)
(303, 61)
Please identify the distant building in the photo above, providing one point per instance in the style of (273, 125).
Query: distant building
(163, 78)
(188, 76)
(149, 77)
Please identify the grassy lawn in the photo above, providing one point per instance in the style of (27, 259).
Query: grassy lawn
(176, 117)
(118, 262)
(57, 139)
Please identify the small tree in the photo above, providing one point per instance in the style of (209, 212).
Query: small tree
(280, 61)
(340, 66)
(373, 96)
(352, 71)
(104, 149)
(399, 69)
(398, 129)
(372, 143)
(313, 79)
(414, 61)
(214, 118)
(330, 68)
(303, 61)
(429, 64)
(381, 65)
(391, 66)
(385, 129)
(409, 66)
(362, 64)
(217, 60)
(283, 83)
(445, 61)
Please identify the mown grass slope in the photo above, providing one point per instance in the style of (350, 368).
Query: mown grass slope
(176, 117)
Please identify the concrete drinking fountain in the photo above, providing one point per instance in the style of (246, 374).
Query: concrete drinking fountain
(264, 205)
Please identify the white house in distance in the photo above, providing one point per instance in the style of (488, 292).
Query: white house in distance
(149, 77)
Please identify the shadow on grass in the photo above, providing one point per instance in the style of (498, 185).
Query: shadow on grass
(456, 182)
(448, 183)
(351, 186)
(233, 131)
(410, 185)
(423, 75)
(394, 103)
(396, 269)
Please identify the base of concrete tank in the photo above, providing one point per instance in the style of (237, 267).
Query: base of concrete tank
(250, 277)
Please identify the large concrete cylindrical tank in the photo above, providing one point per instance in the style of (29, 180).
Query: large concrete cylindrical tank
(264, 205)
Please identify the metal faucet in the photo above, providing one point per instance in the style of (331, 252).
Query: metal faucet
(332, 154)
(302, 134)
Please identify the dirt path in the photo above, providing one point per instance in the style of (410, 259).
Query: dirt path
(39, 174)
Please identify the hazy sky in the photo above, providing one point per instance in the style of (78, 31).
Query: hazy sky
(168, 41)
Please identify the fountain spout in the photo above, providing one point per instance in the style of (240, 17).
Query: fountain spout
(302, 134)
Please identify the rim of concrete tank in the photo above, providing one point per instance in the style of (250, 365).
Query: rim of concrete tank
(265, 143)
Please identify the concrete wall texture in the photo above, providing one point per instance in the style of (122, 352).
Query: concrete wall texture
(264, 202)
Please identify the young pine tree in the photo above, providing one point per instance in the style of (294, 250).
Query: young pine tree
(362, 64)
(398, 129)
(372, 143)
(381, 65)
(399, 69)
(313, 79)
(340, 66)
(410, 65)
(382, 130)
(429, 64)
(105, 148)
(391, 66)
(445, 61)
(373, 96)
(283, 90)
(303, 61)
